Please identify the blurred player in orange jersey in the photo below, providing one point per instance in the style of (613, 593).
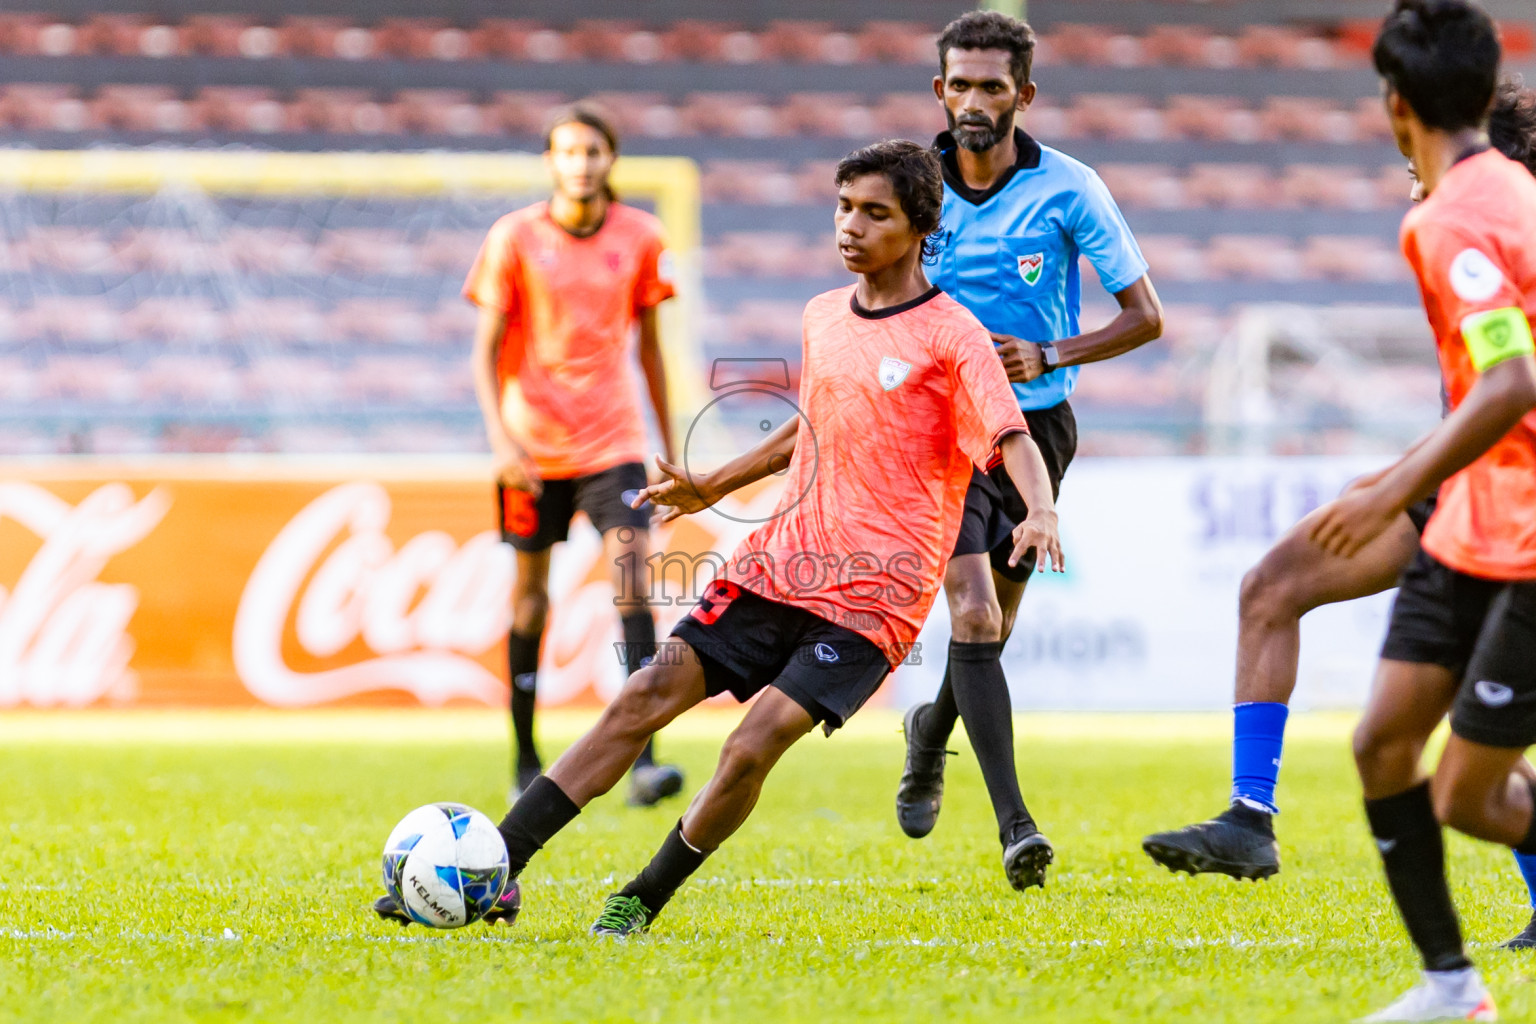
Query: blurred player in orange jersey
(561, 286)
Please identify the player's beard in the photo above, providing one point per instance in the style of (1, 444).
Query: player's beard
(980, 141)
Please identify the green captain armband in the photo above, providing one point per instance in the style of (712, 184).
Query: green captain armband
(1497, 335)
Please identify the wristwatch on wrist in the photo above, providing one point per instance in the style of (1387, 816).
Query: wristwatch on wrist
(1050, 355)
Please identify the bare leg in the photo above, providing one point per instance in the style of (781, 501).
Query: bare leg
(652, 697)
(772, 726)
(1407, 702)
(1484, 791)
(1294, 577)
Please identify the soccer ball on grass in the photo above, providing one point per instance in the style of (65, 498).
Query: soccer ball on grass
(445, 864)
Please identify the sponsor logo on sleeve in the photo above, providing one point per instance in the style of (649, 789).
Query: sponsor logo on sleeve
(1474, 277)
(892, 372)
(1030, 267)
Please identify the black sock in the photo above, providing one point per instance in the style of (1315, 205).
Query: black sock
(670, 868)
(639, 644)
(539, 813)
(523, 672)
(1528, 844)
(936, 723)
(981, 693)
(1413, 852)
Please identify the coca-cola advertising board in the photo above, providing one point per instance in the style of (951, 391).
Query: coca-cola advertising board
(292, 584)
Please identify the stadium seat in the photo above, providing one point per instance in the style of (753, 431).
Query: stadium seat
(239, 109)
(1212, 118)
(1188, 46)
(833, 114)
(501, 39)
(365, 252)
(1306, 119)
(111, 34)
(796, 41)
(1337, 186)
(729, 114)
(407, 38)
(141, 108)
(1173, 257)
(1253, 257)
(601, 41)
(42, 108)
(646, 114)
(436, 112)
(216, 35)
(896, 42)
(1147, 186)
(911, 115)
(1114, 116)
(1350, 258)
(1075, 44)
(342, 111)
(521, 113)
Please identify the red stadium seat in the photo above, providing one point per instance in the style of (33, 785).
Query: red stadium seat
(1254, 257)
(1231, 185)
(310, 37)
(1214, 118)
(834, 114)
(1076, 44)
(1370, 120)
(451, 323)
(436, 112)
(1115, 116)
(365, 251)
(111, 34)
(501, 38)
(43, 108)
(1184, 45)
(728, 113)
(223, 108)
(897, 42)
(19, 32)
(1518, 39)
(522, 113)
(1148, 186)
(1331, 185)
(599, 40)
(407, 38)
(911, 115)
(1307, 119)
(1348, 258)
(798, 41)
(140, 108)
(217, 35)
(340, 111)
(693, 40)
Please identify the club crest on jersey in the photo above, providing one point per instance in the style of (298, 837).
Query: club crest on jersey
(1474, 276)
(892, 372)
(1030, 267)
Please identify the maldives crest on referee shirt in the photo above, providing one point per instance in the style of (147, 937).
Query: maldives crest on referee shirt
(892, 372)
(1030, 267)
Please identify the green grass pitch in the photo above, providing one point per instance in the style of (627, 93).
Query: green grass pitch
(180, 867)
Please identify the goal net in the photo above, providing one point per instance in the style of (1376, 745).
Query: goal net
(290, 302)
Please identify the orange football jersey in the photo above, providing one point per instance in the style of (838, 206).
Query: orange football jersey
(570, 393)
(897, 405)
(1472, 243)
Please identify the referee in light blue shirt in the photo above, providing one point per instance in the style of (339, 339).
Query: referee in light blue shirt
(1016, 217)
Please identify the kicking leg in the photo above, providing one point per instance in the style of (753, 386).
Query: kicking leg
(773, 725)
(626, 549)
(1294, 577)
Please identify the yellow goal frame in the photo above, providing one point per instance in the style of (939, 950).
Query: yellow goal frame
(670, 182)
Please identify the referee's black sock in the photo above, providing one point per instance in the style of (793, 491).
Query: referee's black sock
(639, 644)
(539, 813)
(523, 671)
(981, 693)
(1413, 852)
(670, 868)
(936, 723)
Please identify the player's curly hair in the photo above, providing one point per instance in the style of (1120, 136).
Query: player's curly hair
(916, 177)
(1512, 122)
(990, 30)
(1442, 56)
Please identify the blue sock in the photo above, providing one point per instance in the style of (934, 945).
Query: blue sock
(1527, 865)
(1258, 733)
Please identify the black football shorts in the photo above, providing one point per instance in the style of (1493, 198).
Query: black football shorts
(746, 642)
(535, 524)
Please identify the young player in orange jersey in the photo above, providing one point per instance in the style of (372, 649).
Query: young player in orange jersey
(901, 394)
(561, 286)
(1462, 637)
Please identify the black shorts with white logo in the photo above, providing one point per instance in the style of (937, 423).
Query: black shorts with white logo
(1484, 632)
(994, 506)
(746, 642)
(534, 524)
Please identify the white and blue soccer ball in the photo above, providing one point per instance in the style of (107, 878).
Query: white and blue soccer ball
(445, 864)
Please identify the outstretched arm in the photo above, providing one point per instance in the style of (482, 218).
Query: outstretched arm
(681, 494)
(1504, 393)
(1021, 457)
